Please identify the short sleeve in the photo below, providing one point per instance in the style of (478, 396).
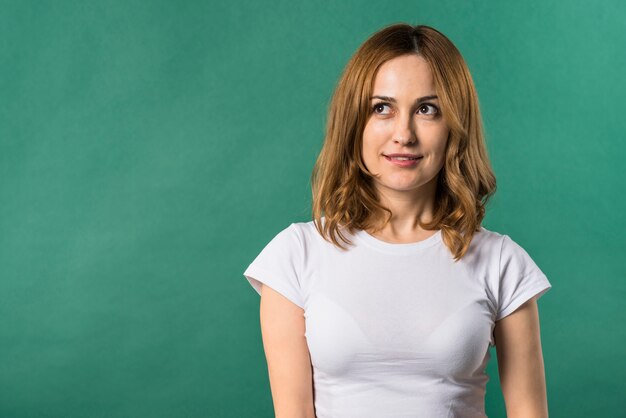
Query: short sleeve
(278, 266)
(520, 278)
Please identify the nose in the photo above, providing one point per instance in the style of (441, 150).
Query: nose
(404, 129)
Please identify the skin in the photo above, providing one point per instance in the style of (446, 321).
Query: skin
(405, 127)
(520, 363)
(287, 354)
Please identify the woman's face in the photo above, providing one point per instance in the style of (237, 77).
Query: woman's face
(405, 118)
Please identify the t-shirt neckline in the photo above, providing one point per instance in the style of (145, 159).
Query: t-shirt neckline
(397, 248)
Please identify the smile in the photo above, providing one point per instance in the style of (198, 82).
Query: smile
(404, 161)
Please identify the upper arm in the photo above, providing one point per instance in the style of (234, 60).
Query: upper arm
(287, 354)
(520, 362)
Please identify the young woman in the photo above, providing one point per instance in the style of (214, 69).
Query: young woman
(396, 320)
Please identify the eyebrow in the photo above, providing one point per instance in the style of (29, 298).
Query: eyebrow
(419, 100)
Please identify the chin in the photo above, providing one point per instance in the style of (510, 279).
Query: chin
(404, 187)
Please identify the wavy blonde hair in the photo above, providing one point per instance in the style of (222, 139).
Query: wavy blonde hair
(342, 187)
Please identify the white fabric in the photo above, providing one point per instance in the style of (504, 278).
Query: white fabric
(398, 330)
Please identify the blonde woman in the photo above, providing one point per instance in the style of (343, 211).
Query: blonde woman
(385, 304)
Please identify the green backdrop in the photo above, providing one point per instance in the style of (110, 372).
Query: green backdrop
(150, 149)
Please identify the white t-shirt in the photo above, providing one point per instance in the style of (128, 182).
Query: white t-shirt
(398, 330)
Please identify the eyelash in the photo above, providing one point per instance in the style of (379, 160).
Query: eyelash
(422, 105)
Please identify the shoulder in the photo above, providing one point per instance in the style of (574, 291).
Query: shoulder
(515, 266)
(306, 233)
(515, 257)
(306, 230)
(486, 241)
(312, 239)
(297, 235)
(484, 235)
(286, 241)
(503, 245)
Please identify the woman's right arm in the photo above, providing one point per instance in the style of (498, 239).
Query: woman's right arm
(287, 355)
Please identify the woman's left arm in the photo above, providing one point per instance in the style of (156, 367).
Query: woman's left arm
(520, 363)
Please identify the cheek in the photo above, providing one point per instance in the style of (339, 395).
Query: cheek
(376, 129)
(370, 144)
(439, 140)
(376, 132)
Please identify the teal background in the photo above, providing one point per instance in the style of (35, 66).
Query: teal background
(150, 149)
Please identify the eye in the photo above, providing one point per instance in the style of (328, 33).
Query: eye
(378, 106)
(435, 109)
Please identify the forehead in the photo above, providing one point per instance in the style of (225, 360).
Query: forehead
(409, 74)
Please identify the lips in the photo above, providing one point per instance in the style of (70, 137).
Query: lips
(403, 156)
(407, 162)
